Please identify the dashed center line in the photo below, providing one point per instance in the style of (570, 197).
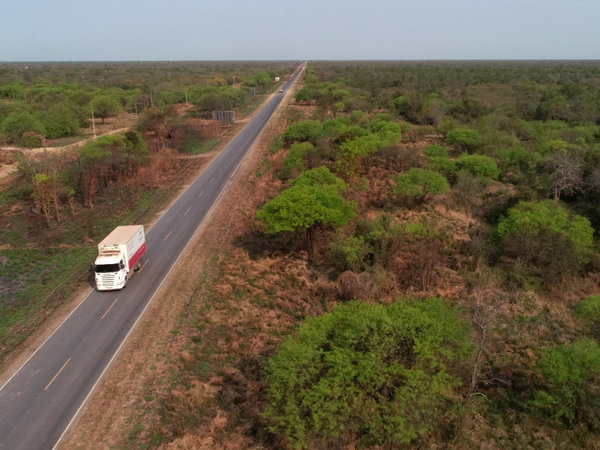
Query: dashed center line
(109, 308)
(142, 268)
(57, 374)
(167, 236)
(188, 210)
(200, 195)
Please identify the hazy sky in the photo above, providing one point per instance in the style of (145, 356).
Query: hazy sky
(125, 30)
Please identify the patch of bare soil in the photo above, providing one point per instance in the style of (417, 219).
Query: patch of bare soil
(144, 367)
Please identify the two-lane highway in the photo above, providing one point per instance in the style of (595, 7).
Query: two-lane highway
(40, 401)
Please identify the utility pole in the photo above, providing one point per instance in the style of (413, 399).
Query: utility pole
(93, 123)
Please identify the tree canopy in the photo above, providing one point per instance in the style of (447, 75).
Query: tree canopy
(368, 373)
(306, 208)
(548, 215)
(419, 183)
(306, 130)
(569, 372)
(478, 165)
(105, 106)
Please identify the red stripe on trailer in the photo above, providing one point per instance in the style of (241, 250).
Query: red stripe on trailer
(137, 256)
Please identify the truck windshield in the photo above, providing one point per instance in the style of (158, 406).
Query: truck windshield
(105, 268)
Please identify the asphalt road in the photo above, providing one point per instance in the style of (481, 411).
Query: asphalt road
(40, 401)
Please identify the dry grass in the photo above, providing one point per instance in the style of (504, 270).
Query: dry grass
(191, 376)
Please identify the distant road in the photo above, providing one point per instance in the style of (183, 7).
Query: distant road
(40, 401)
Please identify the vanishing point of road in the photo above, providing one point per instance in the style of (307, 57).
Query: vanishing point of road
(41, 400)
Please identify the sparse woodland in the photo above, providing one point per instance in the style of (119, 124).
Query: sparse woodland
(62, 201)
(470, 182)
(420, 268)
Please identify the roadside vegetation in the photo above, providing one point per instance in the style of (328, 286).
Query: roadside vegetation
(421, 269)
(59, 204)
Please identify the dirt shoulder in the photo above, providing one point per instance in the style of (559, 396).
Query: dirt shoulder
(104, 421)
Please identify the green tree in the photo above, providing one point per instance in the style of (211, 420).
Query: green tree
(304, 95)
(319, 176)
(588, 310)
(18, 123)
(353, 152)
(478, 165)
(436, 150)
(571, 373)
(441, 164)
(295, 157)
(306, 130)
(60, 121)
(419, 183)
(463, 138)
(107, 159)
(105, 106)
(367, 374)
(548, 215)
(306, 209)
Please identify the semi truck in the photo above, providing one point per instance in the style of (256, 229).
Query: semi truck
(119, 255)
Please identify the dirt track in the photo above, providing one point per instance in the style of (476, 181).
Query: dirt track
(8, 169)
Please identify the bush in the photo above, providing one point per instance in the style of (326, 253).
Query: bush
(436, 150)
(534, 218)
(373, 374)
(536, 255)
(60, 121)
(295, 157)
(306, 130)
(478, 165)
(588, 311)
(441, 164)
(419, 183)
(463, 138)
(17, 123)
(351, 253)
(571, 374)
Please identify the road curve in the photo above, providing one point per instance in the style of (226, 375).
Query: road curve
(40, 401)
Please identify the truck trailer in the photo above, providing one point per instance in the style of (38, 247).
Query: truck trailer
(119, 255)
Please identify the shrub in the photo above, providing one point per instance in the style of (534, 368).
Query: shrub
(17, 123)
(588, 311)
(306, 130)
(436, 150)
(570, 372)
(478, 165)
(380, 375)
(295, 157)
(463, 138)
(441, 164)
(537, 256)
(419, 183)
(533, 218)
